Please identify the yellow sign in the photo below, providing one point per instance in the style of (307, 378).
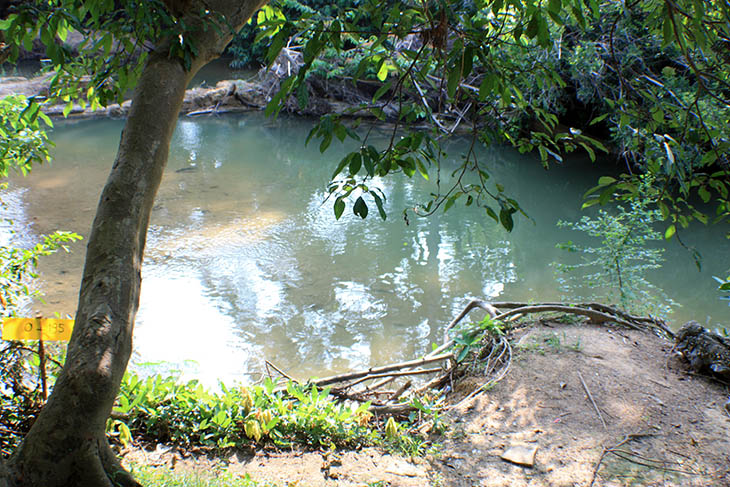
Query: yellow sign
(31, 328)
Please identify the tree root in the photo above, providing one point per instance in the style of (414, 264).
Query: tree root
(633, 457)
(493, 361)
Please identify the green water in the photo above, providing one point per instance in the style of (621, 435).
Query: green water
(246, 262)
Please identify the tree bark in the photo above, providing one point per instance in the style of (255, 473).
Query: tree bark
(67, 445)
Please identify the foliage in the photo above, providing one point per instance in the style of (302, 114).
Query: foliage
(437, 64)
(165, 410)
(650, 76)
(109, 60)
(470, 337)
(617, 267)
(23, 141)
(661, 91)
(20, 389)
(248, 50)
(163, 477)
(17, 269)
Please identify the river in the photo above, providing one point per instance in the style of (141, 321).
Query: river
(246, 262)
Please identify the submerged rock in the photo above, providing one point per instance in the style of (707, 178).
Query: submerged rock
(706, 352)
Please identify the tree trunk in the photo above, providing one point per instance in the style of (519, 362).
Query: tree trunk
(67, 445)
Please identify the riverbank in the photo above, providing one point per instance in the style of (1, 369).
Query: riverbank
(227, 96)
(585, 404)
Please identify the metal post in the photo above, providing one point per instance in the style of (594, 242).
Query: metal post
(42, 358)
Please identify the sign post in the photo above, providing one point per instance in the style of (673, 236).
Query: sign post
(41, 329)
(42, 358)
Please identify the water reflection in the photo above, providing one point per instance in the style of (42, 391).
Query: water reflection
(245, 261)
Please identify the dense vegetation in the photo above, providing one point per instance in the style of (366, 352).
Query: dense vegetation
(646, 81)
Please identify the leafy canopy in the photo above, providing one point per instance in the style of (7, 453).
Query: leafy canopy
(650, 78)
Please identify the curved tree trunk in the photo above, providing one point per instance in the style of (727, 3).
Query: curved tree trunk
(67, 445)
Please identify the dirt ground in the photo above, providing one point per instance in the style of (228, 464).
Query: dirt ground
(658, 424)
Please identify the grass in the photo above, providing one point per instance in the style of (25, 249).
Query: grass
(163, 477)
(551, 342)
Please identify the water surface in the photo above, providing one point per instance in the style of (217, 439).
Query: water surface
(246, 262)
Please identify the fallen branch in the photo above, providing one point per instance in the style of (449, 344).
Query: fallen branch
(377, 371)
(590, 396)
(392, 375)
(283, 374)
(397, 394)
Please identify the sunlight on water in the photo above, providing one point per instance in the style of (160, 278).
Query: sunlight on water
(246, 262)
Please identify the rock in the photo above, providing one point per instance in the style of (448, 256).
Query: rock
(706, 352)
(520, 454)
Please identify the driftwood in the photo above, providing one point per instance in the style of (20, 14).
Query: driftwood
(706, 352)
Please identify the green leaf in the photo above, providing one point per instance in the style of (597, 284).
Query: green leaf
(379, 204)
(422, 169)
(468, 62)
(505, 217)
(589, 203)
(382, 90)
(344, 162)
(606, 180)
(668, 30)
(670, 231)
(339, 207)
(598, 119)
(326, 141)
(382, 70)
(704, 194)
(452, 199)
(453, 80)
(6, 23)
(355, 163)
(531, 30)
(360, 208)
(303, 96)
(67, 109)
(491, 214)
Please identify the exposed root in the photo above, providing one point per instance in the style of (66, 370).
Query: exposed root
(491, 359)
(634, 457)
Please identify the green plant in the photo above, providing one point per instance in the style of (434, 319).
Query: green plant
(553, 341)
(20, 390)
(161, 409)
(470, 336)
(617, 267)
(23, 140)
(18, 269)
(163, 477)
(430, 410)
